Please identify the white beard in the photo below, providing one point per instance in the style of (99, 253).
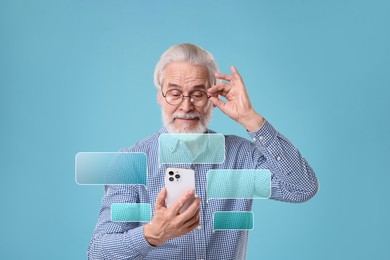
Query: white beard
(200, 128)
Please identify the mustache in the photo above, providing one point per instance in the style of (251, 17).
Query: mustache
(181, 115)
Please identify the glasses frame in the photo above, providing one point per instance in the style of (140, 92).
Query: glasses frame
(182, 97)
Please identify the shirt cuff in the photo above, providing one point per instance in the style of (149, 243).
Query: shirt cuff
(138, 242)
(264, 135)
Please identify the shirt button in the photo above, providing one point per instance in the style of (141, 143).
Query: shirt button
(278, 158)
(261, 138)
(199, 227)
(254, 139)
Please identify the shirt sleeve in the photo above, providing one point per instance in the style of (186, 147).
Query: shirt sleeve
(119, 240)
(292, 179)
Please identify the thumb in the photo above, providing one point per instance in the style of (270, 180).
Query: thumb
(217, 102)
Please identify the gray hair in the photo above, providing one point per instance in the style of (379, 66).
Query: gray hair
(186, 52)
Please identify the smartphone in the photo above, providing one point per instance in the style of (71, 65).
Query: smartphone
(177, 182)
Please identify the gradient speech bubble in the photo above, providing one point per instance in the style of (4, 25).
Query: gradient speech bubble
(131, 212)
(233, 220)
(100, 168)
(191, 148)
(238, 184)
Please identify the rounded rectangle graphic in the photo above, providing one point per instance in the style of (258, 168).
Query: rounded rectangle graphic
(130, 212)
(238, 184)
(233, 220)
(191, 148)
(101, 168)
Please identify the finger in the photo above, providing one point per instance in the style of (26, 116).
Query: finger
(226, 77)
(220, 88)
(189, 226)
(217, 102)
(194, 222)
(194, 219)
(182, 201)
(160, 200)
(191, 212)
(235, 72)
(216, 93)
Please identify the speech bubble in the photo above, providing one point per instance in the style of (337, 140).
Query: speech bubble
(99, 168)
(238, 184)
(131, 212)
(233, 220)
(191, 148)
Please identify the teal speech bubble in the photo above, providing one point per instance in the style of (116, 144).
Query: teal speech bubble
(233, 220)
(191, 148)
(99, 168)
(238, 184)
(130, 212)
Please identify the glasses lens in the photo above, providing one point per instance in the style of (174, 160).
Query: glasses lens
(174, 97)
(199, 98)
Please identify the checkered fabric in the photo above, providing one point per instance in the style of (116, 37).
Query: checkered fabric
(292, 180)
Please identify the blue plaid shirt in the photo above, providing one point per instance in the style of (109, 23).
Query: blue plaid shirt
(293, 180)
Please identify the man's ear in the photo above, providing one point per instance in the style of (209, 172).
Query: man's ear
(159, 98)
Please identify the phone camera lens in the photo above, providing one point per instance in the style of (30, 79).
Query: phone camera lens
(177, 176)
(171, 179)
(171, 173)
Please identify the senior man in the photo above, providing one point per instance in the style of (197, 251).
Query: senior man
(189, 86)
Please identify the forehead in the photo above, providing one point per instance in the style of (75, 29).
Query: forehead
(185, 74)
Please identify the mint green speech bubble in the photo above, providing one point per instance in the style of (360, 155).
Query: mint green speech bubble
(233, 220)
(191, 148)
(238, 184)
(130, 212)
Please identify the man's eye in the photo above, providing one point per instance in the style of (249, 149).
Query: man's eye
(198, 94)
(175, 93)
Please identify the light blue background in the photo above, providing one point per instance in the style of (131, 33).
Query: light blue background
(78, 76)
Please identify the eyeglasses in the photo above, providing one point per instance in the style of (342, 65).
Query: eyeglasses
(175, 97)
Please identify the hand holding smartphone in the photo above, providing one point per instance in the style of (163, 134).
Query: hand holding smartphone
(177, 182)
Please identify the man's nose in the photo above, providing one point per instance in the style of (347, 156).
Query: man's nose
(187, 104)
